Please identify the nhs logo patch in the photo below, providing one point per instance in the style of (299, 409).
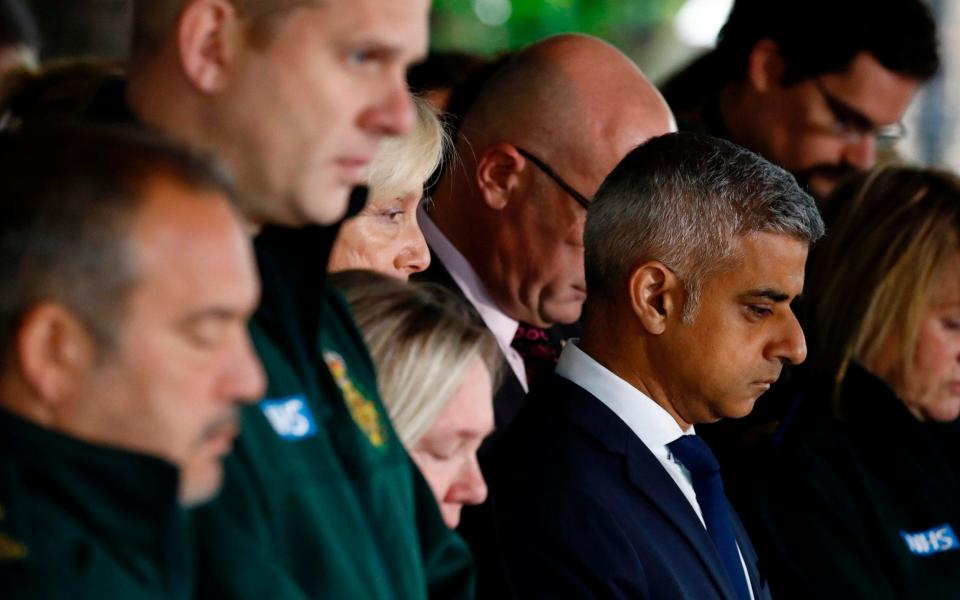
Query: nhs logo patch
(932, 541)
(290, 417)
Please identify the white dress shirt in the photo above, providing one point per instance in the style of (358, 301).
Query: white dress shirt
(647, 419)
(503, 326)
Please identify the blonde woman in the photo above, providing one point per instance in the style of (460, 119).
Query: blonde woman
(864, 500)
(385, 236)
(437, 366)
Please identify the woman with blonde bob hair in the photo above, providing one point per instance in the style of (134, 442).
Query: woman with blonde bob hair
(437, 366)
(863, 501)
(385, 236)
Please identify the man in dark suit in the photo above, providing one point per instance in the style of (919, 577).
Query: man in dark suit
(506, 226)
(694, 249)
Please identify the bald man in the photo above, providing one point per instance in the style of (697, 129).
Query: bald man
(506, 227)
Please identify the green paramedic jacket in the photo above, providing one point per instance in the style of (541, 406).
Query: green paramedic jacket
(80, 521)
(320, 499)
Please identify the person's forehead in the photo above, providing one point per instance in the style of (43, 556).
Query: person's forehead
(471, 405)
(767, 261)
(871, 89)
(183, 237)
(612, 132)
(401, 23)
(946, 285)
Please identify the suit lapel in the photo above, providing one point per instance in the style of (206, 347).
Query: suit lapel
(648, 476)
(757, 581)
(645, 473)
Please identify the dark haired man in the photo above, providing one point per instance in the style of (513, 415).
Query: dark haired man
(815, 86)
(128, 282)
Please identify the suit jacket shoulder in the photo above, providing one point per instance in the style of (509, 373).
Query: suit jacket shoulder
(583, 509)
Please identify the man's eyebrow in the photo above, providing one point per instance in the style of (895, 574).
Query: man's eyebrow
(846, 112)
(216, 313)
(768, 293)
(379, 47)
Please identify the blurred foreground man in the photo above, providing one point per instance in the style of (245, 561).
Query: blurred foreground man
(601, 488)
(125, 357)
(321, 499)
(815, 86)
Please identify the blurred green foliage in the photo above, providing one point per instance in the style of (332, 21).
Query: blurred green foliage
(456, 24)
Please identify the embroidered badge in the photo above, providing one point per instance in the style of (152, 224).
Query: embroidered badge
(362, 410)
(11, 549)
(290, 417)
(932, 541)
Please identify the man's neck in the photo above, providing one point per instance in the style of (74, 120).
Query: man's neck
(16, 398)
(630, 364)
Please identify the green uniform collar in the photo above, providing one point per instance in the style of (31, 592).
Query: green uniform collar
(129, 500)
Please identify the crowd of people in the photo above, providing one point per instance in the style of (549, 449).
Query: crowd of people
(296, 309)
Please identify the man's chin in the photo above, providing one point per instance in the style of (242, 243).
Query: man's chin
(197, 487)
(821, 186)
(742, 408)
(329, 205)
(821, 181)
(563, 314)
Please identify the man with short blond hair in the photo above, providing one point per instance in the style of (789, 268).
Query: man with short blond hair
(321, 499)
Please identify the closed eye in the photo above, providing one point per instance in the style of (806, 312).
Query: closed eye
(393, 214)
(759, 311)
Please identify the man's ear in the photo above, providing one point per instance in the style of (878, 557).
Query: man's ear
(656, 296)
(209, 34)
(54, 351)
(765, 66)
(498, 173)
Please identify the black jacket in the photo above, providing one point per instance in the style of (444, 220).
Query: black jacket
(865, 507)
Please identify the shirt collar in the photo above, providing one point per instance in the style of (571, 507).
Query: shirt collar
(647, 419)
(503, 326)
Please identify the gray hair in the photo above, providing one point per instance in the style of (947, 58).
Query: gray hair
(682, 199)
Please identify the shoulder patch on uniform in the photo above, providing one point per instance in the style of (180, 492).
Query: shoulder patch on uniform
(11, 549)
(364, 412)
(932, 541)
(290, 417)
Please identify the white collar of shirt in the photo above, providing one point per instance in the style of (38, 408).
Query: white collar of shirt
(503, 326)
(647, 419)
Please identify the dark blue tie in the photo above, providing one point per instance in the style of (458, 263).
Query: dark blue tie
(695, 455)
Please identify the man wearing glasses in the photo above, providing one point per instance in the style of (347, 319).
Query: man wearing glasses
(506, 227)
(816, 86)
